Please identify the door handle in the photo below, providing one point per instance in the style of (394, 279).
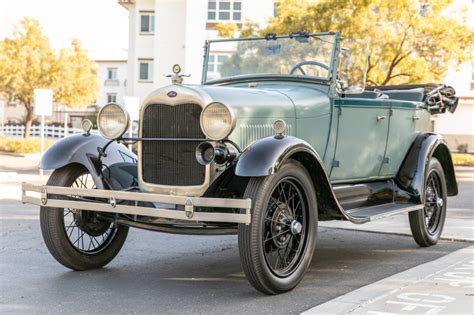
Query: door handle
(416, 118)
(380, 118)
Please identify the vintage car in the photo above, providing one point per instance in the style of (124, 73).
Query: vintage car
(280, 135)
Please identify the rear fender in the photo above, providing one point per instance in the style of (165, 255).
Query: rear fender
(411, 175)
(116, 170)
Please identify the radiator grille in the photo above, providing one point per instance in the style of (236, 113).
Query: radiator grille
(250, 133)
(171, 162)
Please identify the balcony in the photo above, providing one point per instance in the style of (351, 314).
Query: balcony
(126, 3)
(110, 82)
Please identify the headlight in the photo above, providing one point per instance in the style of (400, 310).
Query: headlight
(217, 121)
(112, 121)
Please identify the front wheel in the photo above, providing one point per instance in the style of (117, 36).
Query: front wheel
(427, 224)
(79, 239)
(277, 247)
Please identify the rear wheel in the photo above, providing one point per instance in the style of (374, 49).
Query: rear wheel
(277, 247)
(427, 224)
(79, 239)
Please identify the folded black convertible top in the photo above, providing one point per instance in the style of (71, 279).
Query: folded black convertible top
(438, 97)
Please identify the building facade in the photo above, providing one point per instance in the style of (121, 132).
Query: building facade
(164, 32)
(112, 75)
(458, 128)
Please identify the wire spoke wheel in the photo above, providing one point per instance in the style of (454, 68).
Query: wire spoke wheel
(79, 239)
(277, 247)
(84, 230)
(285, 227)
(427, 223)
(433, 202)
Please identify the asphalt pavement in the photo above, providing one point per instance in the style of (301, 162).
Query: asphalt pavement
(176, 274)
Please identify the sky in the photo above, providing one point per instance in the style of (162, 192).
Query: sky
(101, 25)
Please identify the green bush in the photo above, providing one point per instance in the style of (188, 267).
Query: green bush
(20, 145)
(462, 148)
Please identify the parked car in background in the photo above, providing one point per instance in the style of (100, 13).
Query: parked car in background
(285, 136)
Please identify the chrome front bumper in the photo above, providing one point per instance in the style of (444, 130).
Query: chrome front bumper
(40, 195)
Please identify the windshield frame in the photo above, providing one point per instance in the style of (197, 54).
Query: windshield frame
(332, 65)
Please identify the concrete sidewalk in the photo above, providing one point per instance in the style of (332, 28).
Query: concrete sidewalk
(445, 285)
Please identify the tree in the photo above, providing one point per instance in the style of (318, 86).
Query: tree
(76, 83)
(411, 41)
(27, 62)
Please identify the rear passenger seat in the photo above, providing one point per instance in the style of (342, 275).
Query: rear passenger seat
(367, 94)
(412, 95)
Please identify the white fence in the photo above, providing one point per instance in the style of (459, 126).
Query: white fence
(50, 131)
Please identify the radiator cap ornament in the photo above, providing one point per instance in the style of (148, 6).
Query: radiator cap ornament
(176, 77)
(176, 69)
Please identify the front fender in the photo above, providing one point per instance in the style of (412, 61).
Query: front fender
(83, 149)
(265, 156)
(411, 175)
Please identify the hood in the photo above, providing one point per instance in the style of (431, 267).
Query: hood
(245, 102)
(251, 102)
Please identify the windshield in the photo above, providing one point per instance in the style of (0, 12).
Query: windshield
(297, 55)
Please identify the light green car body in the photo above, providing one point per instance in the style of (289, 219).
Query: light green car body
(358, 139)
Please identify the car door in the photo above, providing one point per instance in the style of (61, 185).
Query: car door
(406, 121)
(362, 131)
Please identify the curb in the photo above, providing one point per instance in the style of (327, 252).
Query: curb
(23, 155)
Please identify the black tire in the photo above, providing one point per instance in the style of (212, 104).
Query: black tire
(59, 242)
(259, 241)
(427, 224)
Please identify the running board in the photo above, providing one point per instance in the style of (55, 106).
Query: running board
(367, 214)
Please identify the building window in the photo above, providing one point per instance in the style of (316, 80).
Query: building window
(111, 73)
(146, 70)
(472, 72)
(224, 10)
(111, 97)
(472, 76)
(147, 22)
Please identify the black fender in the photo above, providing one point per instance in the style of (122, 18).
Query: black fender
(264, 157)
(117, 169)
(411, 176)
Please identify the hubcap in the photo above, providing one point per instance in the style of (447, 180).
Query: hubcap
(295, 227)
(284, 227)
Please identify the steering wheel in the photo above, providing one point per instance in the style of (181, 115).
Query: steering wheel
(300, 65)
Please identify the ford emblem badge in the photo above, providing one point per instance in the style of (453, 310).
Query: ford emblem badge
(172, 94)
